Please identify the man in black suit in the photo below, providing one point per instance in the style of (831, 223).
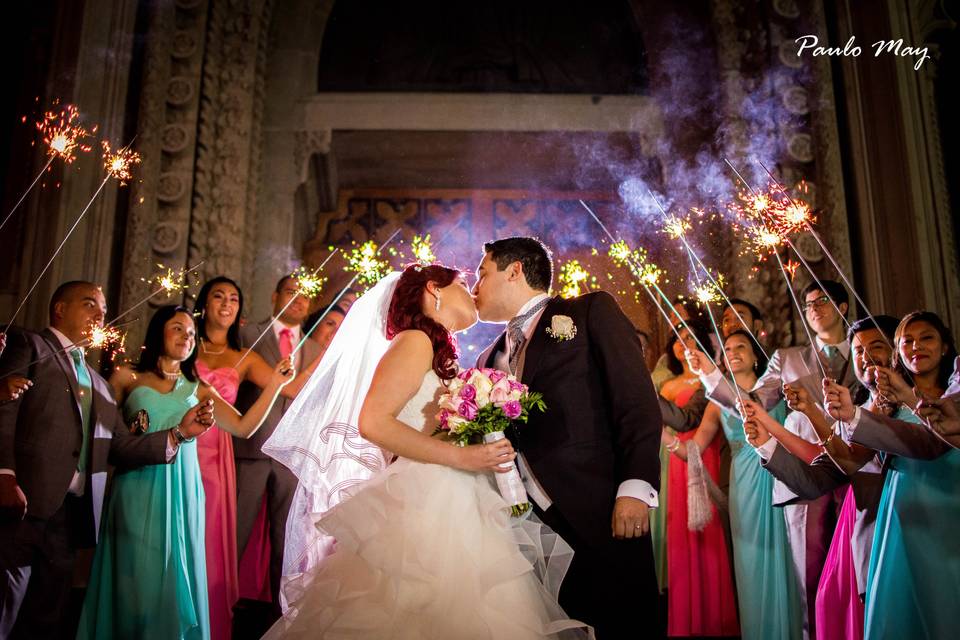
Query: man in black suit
(56, 441)
(590, 463)
(259, 475)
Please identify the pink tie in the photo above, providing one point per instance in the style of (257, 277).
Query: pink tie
(286, 343)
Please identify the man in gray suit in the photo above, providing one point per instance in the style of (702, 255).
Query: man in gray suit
(257, 473)
(809, 524)
(56, 441)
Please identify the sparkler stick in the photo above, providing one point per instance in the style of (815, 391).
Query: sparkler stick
(95, 338)
(117, 165)
(786, 281)
(693, 256)
(63, 137)
(635, 269)
(27, 192)
(336, 298)
(706, 301)
(829, 255)
(307, 286)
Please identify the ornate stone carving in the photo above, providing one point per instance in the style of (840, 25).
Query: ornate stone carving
(170, 188)
(174, 139)
(166, 238)
(800, 147)
(184, 44)
(796, 100)
(179, 91)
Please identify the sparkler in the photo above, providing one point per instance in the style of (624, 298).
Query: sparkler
(118, 166)
(94, 337)
(63, 136)
(786, 279)
(167, 281)
(309, 286)
(806, 224)
(336, 299)
(646, 276)
(704, 295)
(716, 287)
(366, 264)
(423, 250)
(572, 276)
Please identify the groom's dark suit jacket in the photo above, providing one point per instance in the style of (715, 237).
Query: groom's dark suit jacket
(602, 424)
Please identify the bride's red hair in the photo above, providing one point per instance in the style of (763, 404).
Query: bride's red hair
(406, 312)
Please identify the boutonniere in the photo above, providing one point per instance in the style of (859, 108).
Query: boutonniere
(562, 328)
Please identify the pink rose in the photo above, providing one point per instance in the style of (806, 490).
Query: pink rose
(496, 375)
(468, 392)
(517, 386)
(466, 373)
(444, 414)
(500, 392)
(512, 409)
(468, 409)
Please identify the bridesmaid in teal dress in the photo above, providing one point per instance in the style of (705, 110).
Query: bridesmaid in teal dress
(149, 572)
(914, 577)
(768, 600)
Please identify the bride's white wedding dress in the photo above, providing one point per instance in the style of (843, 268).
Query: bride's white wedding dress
(425, 551)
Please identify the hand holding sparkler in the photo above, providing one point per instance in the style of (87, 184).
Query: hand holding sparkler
(699, 363)
(892, 387)
(798, 399)
(942, 416)
(195, 422)
(837, 401)
(12, 387)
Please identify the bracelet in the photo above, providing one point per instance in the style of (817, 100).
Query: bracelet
(673, 446)
(824, 443)
(180, 437)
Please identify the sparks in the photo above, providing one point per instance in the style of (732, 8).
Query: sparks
(167, 280)
(423, 250)
(676, 227)
(572, 276)
(706, 294)
(63, 135)
(364, 262)
(309, 284)
(118, 163)
(791, 268)
(109, 339)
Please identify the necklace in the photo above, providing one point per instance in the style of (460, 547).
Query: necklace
(171, 375)
(203, 345)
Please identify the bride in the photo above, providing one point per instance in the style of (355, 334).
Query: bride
(424, 547)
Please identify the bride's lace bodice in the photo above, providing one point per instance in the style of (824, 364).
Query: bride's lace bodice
(421, 412)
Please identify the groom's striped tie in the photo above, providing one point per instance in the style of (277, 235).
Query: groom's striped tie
(515, 333)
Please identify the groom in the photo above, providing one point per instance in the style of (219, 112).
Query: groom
(590, 463)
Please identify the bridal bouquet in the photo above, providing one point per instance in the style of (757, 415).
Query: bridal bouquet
(478, 406)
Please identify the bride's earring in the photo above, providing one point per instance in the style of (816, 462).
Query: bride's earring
(436, 307)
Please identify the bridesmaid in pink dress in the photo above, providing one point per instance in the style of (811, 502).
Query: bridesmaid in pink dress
(220, 305)
(700, 592)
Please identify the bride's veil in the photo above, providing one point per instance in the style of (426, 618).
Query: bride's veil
(318, 438)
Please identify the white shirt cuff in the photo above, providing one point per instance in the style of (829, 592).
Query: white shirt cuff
(171, 450)
(639, 489)
(711, 380)
(7, 472)
(767, 449)
(847, 428)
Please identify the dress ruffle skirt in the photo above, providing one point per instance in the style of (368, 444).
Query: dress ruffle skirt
(424, 551)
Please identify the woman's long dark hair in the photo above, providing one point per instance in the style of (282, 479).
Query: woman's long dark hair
(703, 336)
(946, 362)
(762, 362)
(152, 349)
(406, 312)
(233, 332)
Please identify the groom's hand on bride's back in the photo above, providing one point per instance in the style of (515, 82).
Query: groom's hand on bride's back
(631, 518)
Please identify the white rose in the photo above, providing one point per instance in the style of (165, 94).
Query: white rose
(562, 328)
(483, 386)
